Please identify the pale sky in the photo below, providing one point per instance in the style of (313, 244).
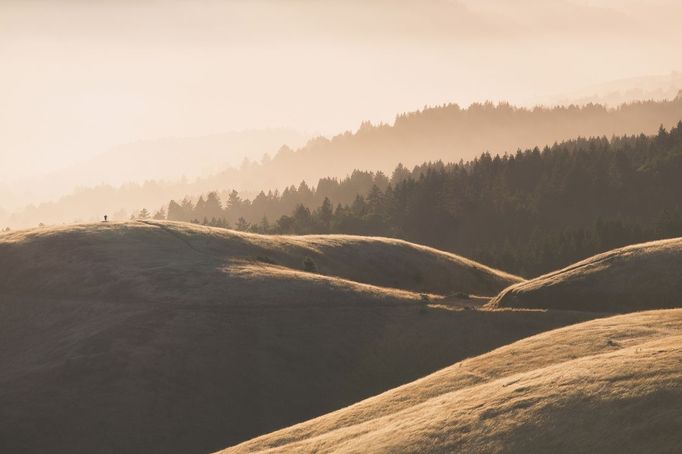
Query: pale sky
(79, 77)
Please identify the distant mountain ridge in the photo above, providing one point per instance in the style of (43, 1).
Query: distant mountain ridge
(453, 133)
(448, 133)
(613, 93)
(190, 157)
(164, 159)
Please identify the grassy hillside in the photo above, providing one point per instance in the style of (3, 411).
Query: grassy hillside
(638, 277)
(162, 260)
(608, 385)
(168, 337)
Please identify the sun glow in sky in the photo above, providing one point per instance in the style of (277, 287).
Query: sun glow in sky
(79, 77)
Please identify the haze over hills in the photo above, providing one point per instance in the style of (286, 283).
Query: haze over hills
(616, 92)
(608, 385)
(169, 337)
(190, 157)
(73, 84)
(163, 161)
(446, 132)
(450, 259)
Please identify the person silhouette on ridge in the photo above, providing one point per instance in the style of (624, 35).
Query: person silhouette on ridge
(105, 218)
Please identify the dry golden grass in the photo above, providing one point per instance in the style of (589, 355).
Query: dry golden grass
(166, 260)
(172, 338)
(639, 277)
(608, 385)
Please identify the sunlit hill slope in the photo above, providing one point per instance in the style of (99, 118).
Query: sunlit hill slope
(609, 385)
(638, 277)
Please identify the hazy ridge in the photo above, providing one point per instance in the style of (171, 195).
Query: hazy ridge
(448, 133)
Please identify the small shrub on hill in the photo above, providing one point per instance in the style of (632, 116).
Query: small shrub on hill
(309, 265)
(266, 259)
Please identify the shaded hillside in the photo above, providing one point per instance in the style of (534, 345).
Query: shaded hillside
(609, 385)
(639, 277)
(173, 338)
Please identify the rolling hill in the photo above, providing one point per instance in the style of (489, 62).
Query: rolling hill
(607, 385)
(155, 258)
(638, 277)
(169, 337)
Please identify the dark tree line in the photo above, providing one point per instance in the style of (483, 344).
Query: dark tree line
(252, 214)
(528, 212)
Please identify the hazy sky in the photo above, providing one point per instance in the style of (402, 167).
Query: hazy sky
(80, 76)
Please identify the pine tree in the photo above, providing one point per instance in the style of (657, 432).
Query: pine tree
(160, 214)
(175, 211)
(242, 224)
(325, 214)
(213, 207)
(264, 225)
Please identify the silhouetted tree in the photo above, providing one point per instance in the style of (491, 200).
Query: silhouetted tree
(324, 214)
(160, 214)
